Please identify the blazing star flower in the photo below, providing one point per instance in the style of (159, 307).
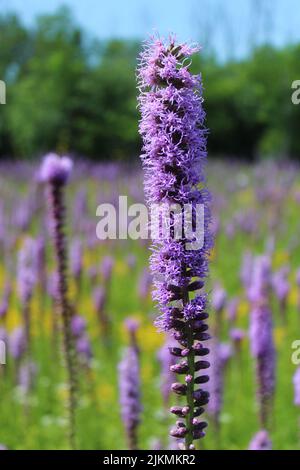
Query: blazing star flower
(106, 268)
(84, 349)
(26, 273)
(219, 355)
(261, 441)
(298, 277)
(26, 376)
(17, 343)
(174, 145)
(246, 269)
(132, 325)
(144, 284)
(40, 263)
(296, 382)
(232, 306)
(82, 342)
(218, 299)
(4, 304)
(55, 171)
(78, 325)
(281, 287)
(100, 300)
(76, 258)
(26, 279)
(261, 334)
(129, 387)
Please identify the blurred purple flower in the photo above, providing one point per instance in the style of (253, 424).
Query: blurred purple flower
(4, 305)
(130, 401)
(298, 277)
(246, 269)
(3, 334)
(237, 335)
(78, 325)
(261, 335)
(281, 287)
(219, 355)
(55, 169)
(76, 258)
(260, 282)
(26, 376)
(17, 343)
(106, 268)
(232, 307)
(26, 274)
(131, 261)
(261, 441)
(84, 349)
(296, 383)
(99, 298)
(218, 298)
(144, 285)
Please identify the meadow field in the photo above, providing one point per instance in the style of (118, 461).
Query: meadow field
(255, 211)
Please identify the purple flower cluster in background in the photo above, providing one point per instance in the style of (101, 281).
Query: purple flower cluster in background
(261, 441)
(220, 354)
(261, 334)
(82, 342)
(129, 386)
(296, 383)
(55, 171)
(166, 360)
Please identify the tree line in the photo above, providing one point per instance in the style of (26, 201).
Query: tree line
(68, 92)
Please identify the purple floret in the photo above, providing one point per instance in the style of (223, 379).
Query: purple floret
(78, 325)
(55, 169)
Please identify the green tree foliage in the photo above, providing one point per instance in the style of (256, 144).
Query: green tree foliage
(67, 92)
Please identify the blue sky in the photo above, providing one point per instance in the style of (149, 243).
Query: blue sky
(231, 26)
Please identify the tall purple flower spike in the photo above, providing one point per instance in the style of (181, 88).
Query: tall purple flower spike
(129, 386)
(174, 146)
(219, 356)
(261, 334)
(55, 171)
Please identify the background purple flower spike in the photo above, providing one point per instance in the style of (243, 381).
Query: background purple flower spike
(55, 169)
(261, 441)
